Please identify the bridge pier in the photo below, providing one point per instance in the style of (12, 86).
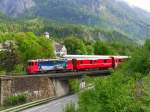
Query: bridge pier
(61, 87)
(34, 88)
(41, 86)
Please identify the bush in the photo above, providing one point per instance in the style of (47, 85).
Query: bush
(102, 48)
(138, 64)
(110, 94)
(74, 85)
(27, 46)
(15, 100)
(145, 100)
(75, 45)
(70, 108)
(19, 69)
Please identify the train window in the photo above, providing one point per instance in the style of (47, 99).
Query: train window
(91, 61)
(105, 61)
(94, 61)
(35, 63)
(81, 62)
(120, 60)
(54, 62)
(31, 63)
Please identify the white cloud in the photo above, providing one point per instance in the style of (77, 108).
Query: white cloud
(144, 4)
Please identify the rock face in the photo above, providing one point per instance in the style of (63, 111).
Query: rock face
(110, 14)
(15, 7)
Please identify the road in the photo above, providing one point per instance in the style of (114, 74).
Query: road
(54, 106)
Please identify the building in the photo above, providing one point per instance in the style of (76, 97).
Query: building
(60, 49)
(1, 47)
(6, 45)
(46, 34)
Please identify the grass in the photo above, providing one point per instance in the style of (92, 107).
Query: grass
(15, 100)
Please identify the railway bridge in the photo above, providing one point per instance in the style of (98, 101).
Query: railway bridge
(41, 86)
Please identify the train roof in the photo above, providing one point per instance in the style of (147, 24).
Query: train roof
(39, 60)
(93, 57)
(81, 57)
(122, 57)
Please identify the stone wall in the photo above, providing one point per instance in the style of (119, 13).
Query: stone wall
(61, 87)
(35, 88)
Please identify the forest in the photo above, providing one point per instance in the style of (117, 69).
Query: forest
(26, 46)
(30, 43)
(125, 90)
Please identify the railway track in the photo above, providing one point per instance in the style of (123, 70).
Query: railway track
(59, 75)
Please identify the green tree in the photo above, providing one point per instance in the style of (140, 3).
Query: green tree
(90, 49)
(29, 46)
(33, 47)
(10, 58)
(75, 46)
(110, 94)
(101, 48)
(147, 44)
(139, 62)
(47, 47)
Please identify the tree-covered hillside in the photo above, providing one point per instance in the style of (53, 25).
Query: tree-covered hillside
(22, 47)
(61, 30)
(125, 90)
(108, 14)
(28, 46)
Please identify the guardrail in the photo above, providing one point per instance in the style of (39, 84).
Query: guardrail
(39, 102)
(29, 105)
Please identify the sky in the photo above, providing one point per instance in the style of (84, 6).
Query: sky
(144, 4)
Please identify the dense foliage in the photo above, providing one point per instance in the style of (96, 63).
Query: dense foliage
(61, 30)
(15, 100)
(28, 46)
(106, 14)
(75, 46)
(79, 39)
(10, 58)
(126, 90)
(109, 94)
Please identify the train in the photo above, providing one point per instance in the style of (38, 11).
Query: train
(74, 63)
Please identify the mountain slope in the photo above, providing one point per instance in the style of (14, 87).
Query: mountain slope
(109, 14)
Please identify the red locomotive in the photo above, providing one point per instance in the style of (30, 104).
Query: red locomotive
(74, 63)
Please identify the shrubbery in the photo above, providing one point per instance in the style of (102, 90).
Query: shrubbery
(15, 100)
(126, 90)
(74, 85)
(110, 94)
(75, 46)
(28, 46)
(70, 108)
